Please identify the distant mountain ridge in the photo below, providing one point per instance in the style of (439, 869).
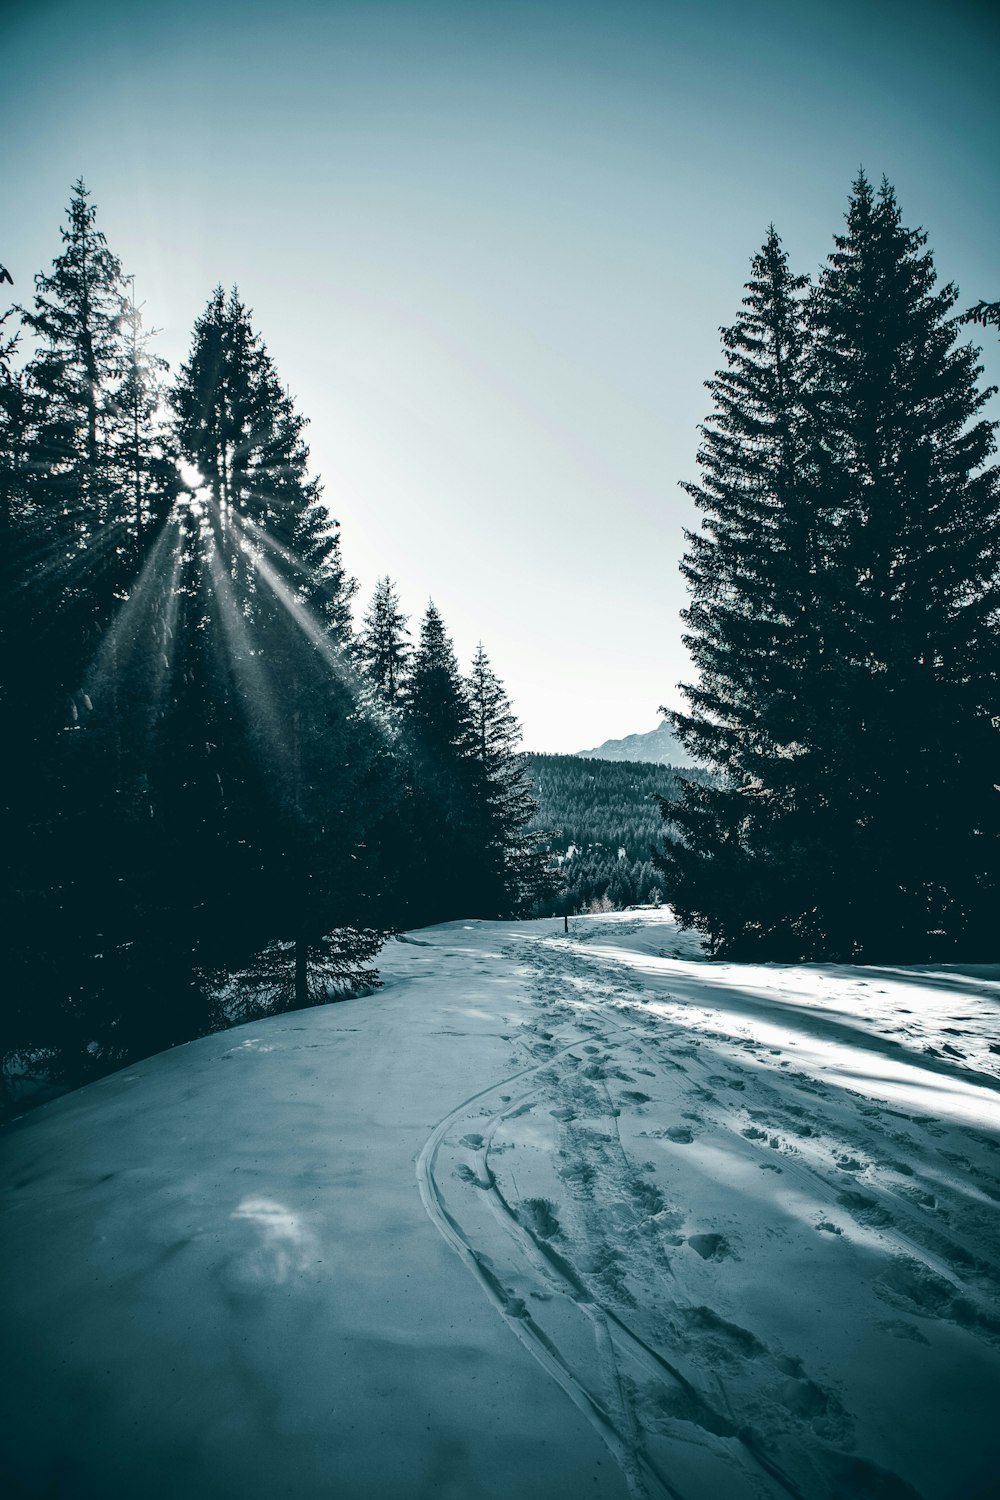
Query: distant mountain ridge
(659, 746)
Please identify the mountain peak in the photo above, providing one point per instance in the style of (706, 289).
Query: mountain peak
(659, 746)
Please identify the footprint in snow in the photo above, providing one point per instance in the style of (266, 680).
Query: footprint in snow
(681, 1135)
(728, 1337)
(810, 1403)
(710, 1246)
(467, 1175)
(912, 1283)
(472, 1140)
(865, 1209)
(538, 1216)
(650, 1202)
(898, 1328)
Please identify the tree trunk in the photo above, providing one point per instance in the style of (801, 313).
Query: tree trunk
(301, 973)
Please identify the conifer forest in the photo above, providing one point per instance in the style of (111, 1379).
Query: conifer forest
(221, 795)
(223, 792)
(602, 824)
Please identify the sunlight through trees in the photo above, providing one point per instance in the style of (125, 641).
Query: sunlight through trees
(221, 799)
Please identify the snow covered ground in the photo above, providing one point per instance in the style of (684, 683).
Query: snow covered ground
(549, 1218)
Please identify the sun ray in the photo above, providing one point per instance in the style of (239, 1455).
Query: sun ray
(255, 682)
(311, 629)
(133, 632)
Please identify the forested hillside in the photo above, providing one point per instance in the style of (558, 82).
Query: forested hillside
(601, 820)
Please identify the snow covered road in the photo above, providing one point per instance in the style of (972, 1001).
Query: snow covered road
(549, 1217)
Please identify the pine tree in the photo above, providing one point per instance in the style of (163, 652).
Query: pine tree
(383, 648)
(73, 555)
(79, 530)
(300, 766)
(915, 568)
(18, 1016)
(93, 472)
(143, 469)
(77, 316)
(15, 419)
(238, 427)
(507, 873)
(437, 710)
(437, 736)
(752, 627)
(855, 813)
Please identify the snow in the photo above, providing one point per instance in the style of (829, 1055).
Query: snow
(548, 1217)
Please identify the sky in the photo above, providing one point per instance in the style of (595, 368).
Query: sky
(489, 247)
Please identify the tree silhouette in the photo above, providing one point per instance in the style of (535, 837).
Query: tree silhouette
(856, 814)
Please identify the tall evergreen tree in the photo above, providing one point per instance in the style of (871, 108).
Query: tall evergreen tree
(76, 511)
(15, 420)
(752, 626)
(916, 608)
(856, 814)
(143, 468)
(77, 314)
(270, 631)
(73, 554)
(94, 475)
(438, 827)
(383, 648)
(238, 426)
(437, 710)
(18, 1020)
(508, 870)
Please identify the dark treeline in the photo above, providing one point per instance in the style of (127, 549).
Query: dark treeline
(844, 618)
(602, 824)
(218, 797)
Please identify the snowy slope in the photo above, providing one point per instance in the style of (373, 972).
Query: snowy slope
(551, 1217)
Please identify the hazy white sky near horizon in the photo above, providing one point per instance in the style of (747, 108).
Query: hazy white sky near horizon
(489, 247)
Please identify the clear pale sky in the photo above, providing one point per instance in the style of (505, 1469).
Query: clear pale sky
(489, 247)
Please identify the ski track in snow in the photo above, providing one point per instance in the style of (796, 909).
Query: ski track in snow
(686, 1231)
(606, 1274)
